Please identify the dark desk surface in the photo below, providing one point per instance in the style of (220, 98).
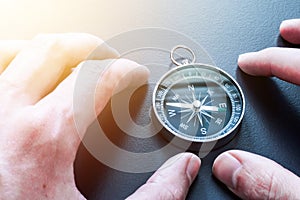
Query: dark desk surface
(225, 29)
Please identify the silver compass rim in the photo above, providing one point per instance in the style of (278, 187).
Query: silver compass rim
(195, 140)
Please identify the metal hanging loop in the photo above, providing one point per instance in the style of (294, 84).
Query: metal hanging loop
(184, 61)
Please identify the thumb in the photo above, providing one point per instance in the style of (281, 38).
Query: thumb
(172, 180)
(251, 176)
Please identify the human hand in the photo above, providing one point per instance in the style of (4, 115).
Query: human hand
(252, 176)
(283, 63)
(39, 138)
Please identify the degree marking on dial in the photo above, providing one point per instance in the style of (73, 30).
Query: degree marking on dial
(219, 121)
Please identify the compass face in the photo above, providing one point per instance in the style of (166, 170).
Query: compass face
(198, 103)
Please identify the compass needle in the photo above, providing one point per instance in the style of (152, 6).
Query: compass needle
(211, 108)
(186, 110)
(179, 105)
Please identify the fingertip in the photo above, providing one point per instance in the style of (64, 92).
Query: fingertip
(193, 167)
(172, 180)
(272, 61)
(184, 161)
(103, 51)
(246, 62)
(225, 167)
(290, 30)
(135, 76)
(286, 25)
(243, 59)
(283, 25)
(185, 165)
(251, 176)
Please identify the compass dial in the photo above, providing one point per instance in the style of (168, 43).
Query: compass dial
(198, 103)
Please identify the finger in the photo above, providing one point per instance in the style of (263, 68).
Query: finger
(252, 176)
(290, 30)
(36, 70)
(8, 50)
(172, 180)
(80, 98)
(281, 62)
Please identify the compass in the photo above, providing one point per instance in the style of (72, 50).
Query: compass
(198, 103)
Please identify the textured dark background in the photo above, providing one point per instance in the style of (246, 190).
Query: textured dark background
(225, 29)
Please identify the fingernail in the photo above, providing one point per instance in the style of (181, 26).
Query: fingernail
(225, 167)
(244, 58)
(187, 162)
(287, 23)
(284, 23)
(193, 168)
